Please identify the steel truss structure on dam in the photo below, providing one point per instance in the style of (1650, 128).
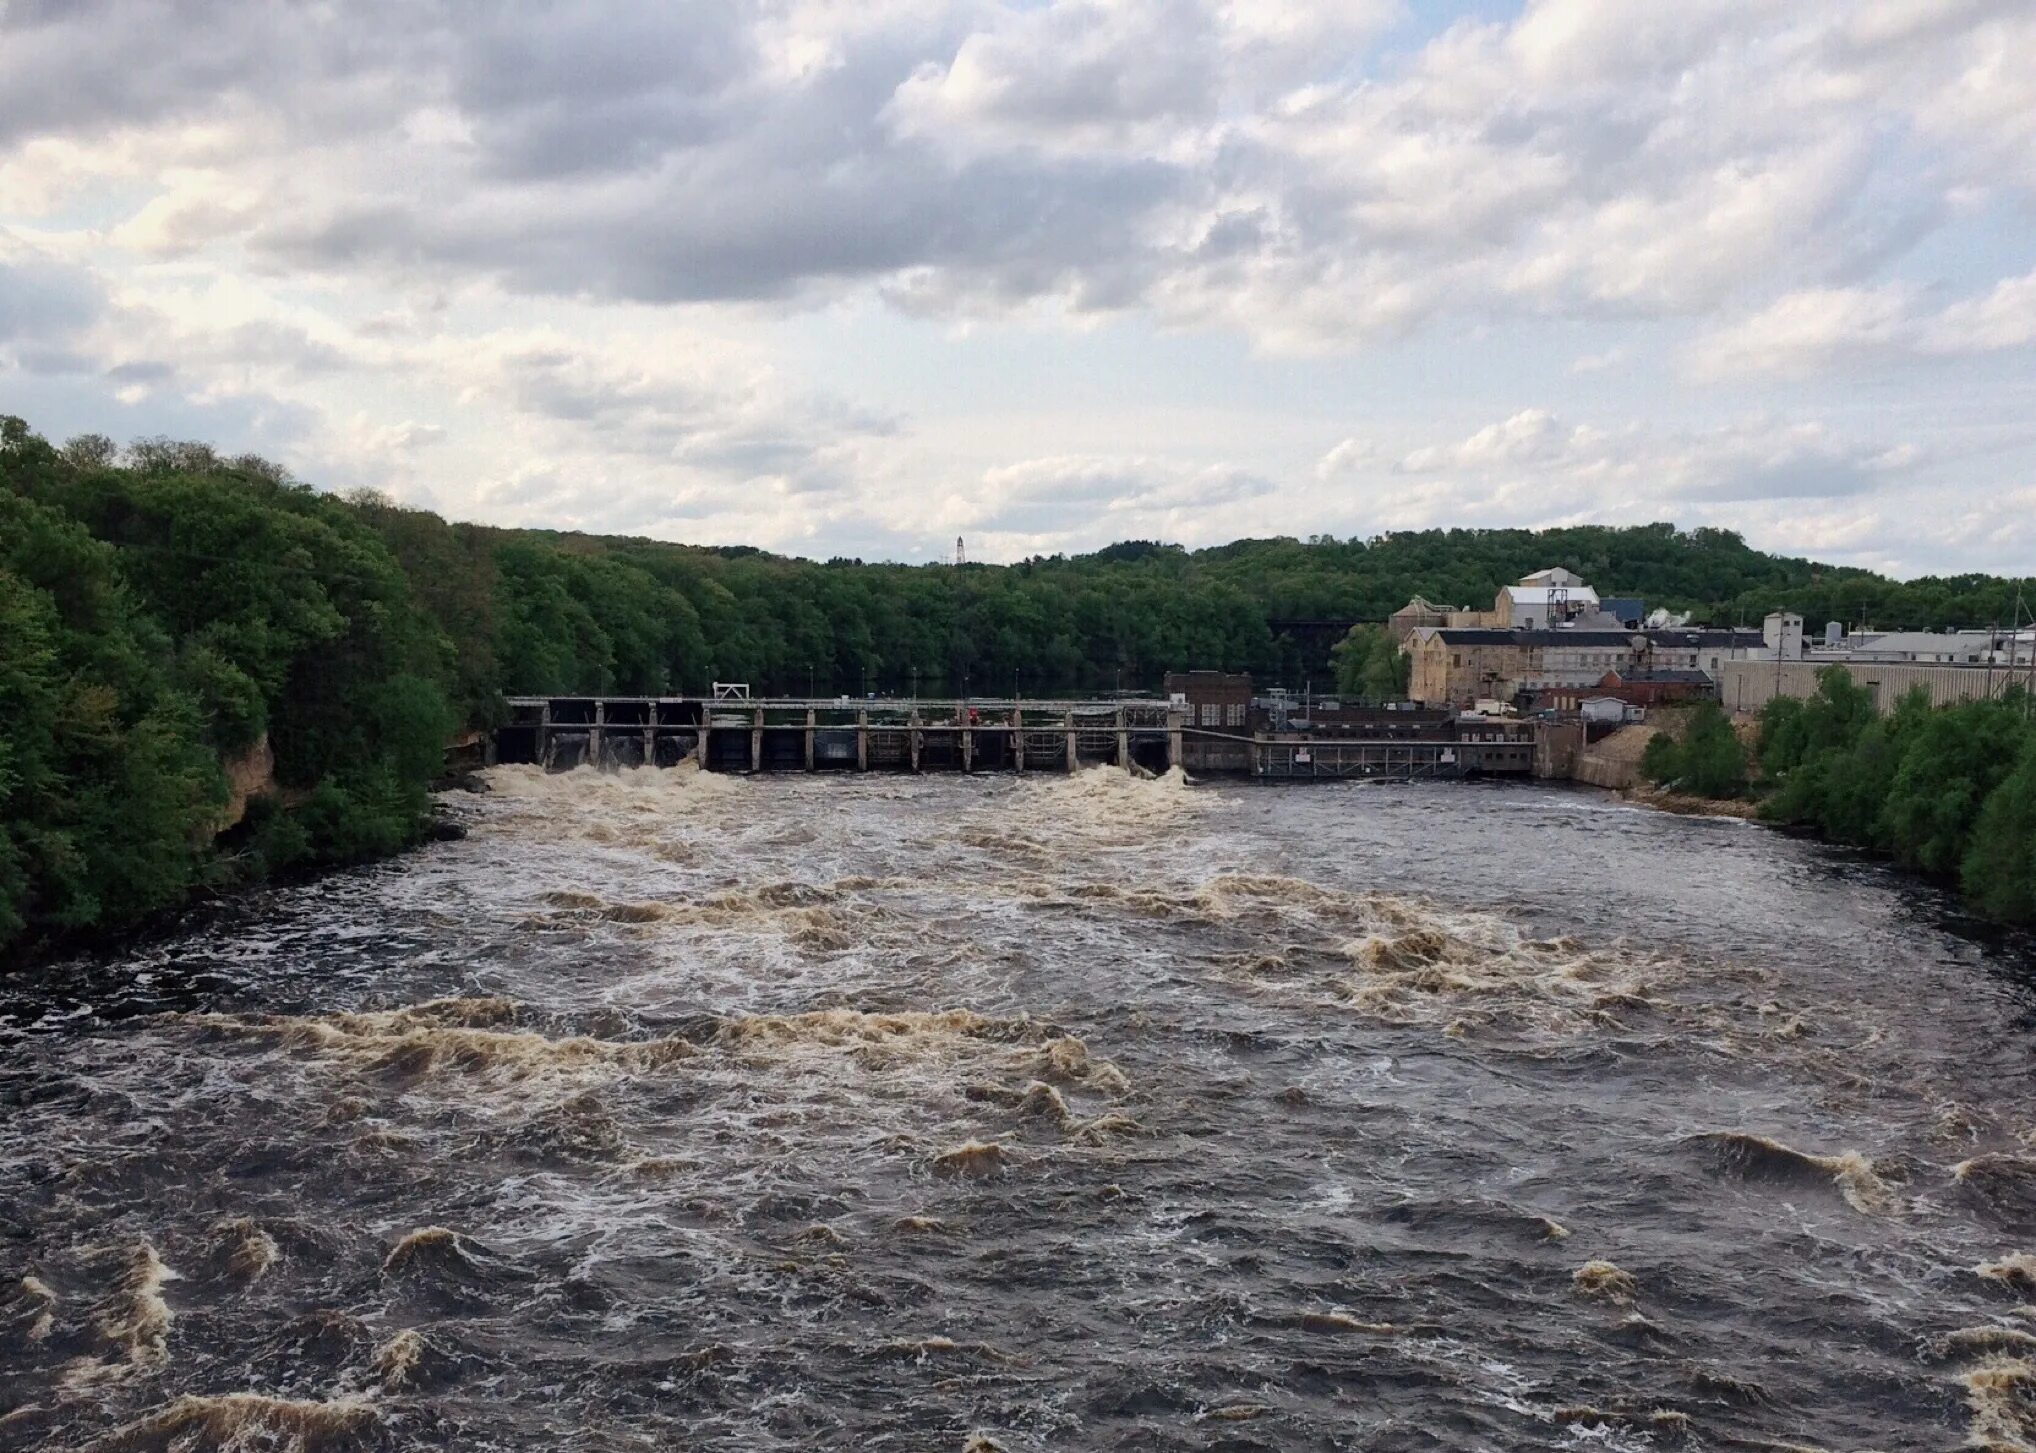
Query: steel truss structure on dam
(739, 734)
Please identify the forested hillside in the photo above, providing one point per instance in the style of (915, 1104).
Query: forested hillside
(585, 613)
(165, 609)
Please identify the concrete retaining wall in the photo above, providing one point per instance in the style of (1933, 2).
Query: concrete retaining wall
(1615, 761)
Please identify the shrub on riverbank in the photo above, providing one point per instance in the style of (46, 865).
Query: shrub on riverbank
(1706, 759)
(1949, 790)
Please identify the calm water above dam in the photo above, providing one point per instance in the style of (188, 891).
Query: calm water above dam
(670, 1111)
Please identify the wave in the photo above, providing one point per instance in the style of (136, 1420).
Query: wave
(923, 1350)
(435, 1248)
(2017, 1269)
(658, 812)
(1106, 806)
(587, 791)
(974, 1158)
(1757, 1158)
(244, 1421)
(135, 1319)
(1343, 1322)
(248, 1250)
(441, 1038)
(579, 1127)
(127, 1329)
(452, 1037)
(1225, 898)
(1067, 1060)
(814, 916)
(857, 1029)
(1969, 1340)
(1670, 1422)
(34, 1310)
(2000, 1401)
(2005, 1185)
(1105, 1128)
(1409, 961)
(397, 1361)
(1606, 1281)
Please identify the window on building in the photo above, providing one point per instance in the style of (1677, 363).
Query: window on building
(1233, 714)
(1456, 659)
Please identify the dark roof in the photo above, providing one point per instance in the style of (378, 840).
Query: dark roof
(1634, 678)
(1484, 636)
(1704, 636)
(1488, 636)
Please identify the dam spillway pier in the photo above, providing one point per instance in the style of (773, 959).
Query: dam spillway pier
(834, 735)
(745, 735)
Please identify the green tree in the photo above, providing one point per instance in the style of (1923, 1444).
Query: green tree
(1706, 760)
(1370, 667)
(1950, 765)
(106, 789)
(1999, 871)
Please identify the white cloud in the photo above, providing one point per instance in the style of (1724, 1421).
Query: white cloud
(1588, 467)
(1250, 165)
(1805, 333)
(1079, 502)
(535, 264)
(2004, 318)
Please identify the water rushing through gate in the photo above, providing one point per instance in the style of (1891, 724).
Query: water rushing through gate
(679, 1111)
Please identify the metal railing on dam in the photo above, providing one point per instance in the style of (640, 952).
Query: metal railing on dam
(978, 734)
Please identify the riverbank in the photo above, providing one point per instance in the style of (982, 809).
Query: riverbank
(1682, 804)
(24, 958)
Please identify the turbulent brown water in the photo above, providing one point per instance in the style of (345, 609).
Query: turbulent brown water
(670, 1111)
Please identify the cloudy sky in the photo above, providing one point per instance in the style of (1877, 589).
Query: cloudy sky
(860, 276)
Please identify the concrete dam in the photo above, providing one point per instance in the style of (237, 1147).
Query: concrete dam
(744, 735)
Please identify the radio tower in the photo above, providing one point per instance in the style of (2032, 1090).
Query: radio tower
(961, 554)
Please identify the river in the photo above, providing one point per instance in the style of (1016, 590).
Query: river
(674, 1111)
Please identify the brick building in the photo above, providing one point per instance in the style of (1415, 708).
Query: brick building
(1213, 700)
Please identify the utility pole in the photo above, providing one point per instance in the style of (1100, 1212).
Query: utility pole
(2029, 700)
(1780, 635)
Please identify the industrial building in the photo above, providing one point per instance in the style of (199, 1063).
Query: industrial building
(1550, 639)
(1457, 667)
(1747, 686)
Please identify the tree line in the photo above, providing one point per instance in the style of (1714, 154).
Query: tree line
(1949, 791)
(165, 608)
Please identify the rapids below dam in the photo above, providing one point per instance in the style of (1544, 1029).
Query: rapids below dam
(676, 1111)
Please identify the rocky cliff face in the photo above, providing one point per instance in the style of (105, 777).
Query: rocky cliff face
(250, 775)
